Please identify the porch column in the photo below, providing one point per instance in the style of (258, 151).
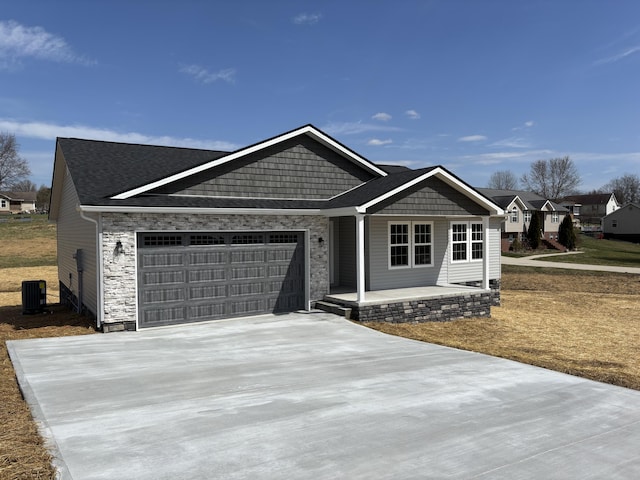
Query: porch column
(360, 258)
(485, 254)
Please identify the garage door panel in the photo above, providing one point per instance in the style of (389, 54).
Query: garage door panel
(208, 258)
(188, 277)
(208, 275)
(160, 259)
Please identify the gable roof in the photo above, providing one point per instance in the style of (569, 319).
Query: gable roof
(20, 196)
(111, 176)
(592, 198)
(532, 201)
(624, 209)
(308, 130)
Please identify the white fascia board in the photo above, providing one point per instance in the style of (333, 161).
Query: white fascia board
(195, 210)
(449, 180)
(523, 206)
(309, 130)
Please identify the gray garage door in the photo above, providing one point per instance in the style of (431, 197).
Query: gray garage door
(195, 276)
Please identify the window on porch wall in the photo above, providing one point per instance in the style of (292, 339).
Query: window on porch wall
(414, 237)
(467, 241)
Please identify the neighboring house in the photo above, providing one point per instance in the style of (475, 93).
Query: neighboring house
(623, 224)
(587, 211)
(17, 202)
(519, 206)
(151, 236)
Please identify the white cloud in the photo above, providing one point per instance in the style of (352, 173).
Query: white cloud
(202, 75)
(618, 57)
(18, 41)
(472, 138)
(49, 131)
(524, 126)
(530, 123)
(307, 18)
(412, 114)
(383, 117)
(375, 142)
(512, 142)
(354, 128)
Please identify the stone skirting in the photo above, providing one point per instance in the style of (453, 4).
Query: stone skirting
(435, 309)
(494, 285)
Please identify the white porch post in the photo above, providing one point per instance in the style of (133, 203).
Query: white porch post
(485, 254)
(360, 257)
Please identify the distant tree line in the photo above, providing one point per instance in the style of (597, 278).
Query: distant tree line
(558, 178)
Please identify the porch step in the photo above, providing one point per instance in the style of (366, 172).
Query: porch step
(333, 308)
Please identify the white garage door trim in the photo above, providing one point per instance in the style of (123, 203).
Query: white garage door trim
(257, 301)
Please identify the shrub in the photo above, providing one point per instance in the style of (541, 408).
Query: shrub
(533, 234)
(566, 233)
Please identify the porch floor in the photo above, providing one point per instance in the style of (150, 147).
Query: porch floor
(346, 295)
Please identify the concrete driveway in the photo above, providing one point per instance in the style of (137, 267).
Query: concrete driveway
(313, 396)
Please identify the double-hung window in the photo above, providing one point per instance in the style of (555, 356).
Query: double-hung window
(467, 241)
(410, 244)
(526, 216)
(514, 215)
(555, 217)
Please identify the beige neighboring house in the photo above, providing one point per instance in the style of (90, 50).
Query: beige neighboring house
(623, 224)
(588, 210)
(519, 205)
(17, 202)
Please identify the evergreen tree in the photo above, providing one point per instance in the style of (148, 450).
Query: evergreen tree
(533, 234)
(566, 233)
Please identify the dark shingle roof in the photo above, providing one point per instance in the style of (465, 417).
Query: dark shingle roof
(533, 201)
(590, 199)
(103, 169)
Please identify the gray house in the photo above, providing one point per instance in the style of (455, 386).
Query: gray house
(151, 236)
(623, 223)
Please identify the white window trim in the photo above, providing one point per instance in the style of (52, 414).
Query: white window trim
(469, 240)
(411, 245)
(555, 217)
(526, 216)
(514, 216)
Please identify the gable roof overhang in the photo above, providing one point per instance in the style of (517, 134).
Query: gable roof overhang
(436, 172)
(308, 130)
(516, 201)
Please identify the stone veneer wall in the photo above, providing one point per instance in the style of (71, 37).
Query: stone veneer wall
(437, 309)
(119, 271)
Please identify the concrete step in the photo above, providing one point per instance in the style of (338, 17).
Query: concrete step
(333, 308)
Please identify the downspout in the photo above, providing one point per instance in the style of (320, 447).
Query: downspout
(99, 296)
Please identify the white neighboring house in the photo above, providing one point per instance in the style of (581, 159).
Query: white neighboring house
(623, 224)
(17, 202)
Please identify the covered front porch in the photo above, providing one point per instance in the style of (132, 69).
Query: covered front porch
(415, 304)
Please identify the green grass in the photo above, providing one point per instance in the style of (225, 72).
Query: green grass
(602, 252)
(27, 241)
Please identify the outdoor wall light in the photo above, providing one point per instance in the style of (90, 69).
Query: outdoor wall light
(119, 250)
(320, 240)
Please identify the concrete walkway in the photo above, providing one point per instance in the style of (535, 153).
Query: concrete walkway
(533, 261)
(313, 396)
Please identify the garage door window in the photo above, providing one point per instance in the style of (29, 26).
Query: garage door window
(162, 240)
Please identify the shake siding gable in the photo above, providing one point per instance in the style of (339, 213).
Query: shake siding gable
(73, 233)
(434, 194)
(299, 168)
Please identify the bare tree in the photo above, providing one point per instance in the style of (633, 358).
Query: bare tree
(24, 186)
(626, 188)
(13, 168)
(552, 179)
(503, 180)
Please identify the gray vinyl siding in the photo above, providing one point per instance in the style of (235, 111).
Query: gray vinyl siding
(382, 277)
(627, 218)
(459, 272)
(432, 196)
(300, 168)
(347, 275)
(73, 233)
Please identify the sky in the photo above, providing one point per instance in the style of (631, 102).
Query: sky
(476, 86)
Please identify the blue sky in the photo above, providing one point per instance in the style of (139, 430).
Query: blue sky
(475, 86)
